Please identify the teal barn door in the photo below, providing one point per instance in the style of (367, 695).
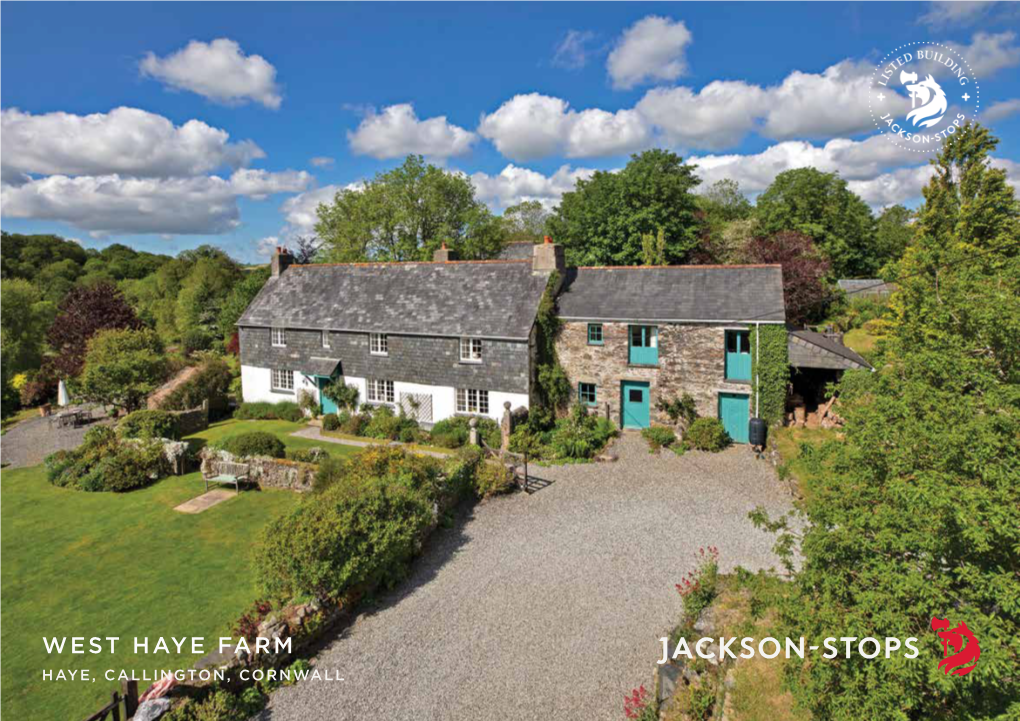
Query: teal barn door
(734, 412)
(635, 404)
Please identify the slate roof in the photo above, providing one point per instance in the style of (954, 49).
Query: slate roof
(319, 366)
(489, 299)
(808, 349)
(720, 293)
(865, 287)
(518, 250)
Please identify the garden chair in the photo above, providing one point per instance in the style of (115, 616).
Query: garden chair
(226, 474)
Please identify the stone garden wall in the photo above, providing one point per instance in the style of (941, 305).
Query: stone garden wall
(692, 359)
(266, 472)
(192, 421)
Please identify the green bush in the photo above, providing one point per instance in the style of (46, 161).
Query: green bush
(148, 424)
(454, 432)
(195, 339)
(132, 466)
(212, 382)
(308, 403)
(707, 434)
(306, 455)
(580, 435)
(359, 531)
(355, 424)
(102, 463)
(658, 437)
(265, 411)
(493, 478)
(330, 422)
(385, 424)
(254, 443)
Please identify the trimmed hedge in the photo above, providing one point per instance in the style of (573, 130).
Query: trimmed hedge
(770, 370)
(254, 443)
(149, 424)
(265, 411)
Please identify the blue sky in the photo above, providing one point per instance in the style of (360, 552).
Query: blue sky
(168, 125)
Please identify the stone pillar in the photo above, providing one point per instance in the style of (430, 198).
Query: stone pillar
(506, 427)
(442, 255)
(473, 431)
(281, 259)
(547, 257)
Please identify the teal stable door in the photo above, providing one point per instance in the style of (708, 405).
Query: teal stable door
(735, 414)
(636, 404)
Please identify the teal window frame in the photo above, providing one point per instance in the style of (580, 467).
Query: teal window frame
(643, 345)
(581, 394)
(595, 327)
(738, 360)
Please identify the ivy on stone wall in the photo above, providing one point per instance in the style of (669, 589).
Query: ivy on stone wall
(770, 370)
(551, 382)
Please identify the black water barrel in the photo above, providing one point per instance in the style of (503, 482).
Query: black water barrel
(757, 432)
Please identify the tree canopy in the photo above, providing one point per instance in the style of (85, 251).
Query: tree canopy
(820, 206)
(85, 311)
(603, 220)
(525, 222)
(406, 214)
(916, 513)
(122, 367)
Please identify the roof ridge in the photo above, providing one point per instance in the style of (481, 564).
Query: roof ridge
(385, 263)
(686, 266)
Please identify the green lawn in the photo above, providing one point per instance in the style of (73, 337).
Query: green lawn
(860, 341)
(127, 565)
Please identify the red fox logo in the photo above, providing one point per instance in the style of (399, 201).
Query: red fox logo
(963, 654)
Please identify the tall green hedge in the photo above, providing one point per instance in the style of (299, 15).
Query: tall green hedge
(770, 370)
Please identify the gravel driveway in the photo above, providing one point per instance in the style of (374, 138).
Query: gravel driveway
(546, 605)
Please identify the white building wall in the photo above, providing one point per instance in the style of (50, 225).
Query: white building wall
(256, 385)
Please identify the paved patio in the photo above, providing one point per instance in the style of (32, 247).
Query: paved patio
(545, 605)
(30, 441)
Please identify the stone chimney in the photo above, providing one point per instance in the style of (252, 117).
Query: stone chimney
(443, 255)
(548, 256)
(281, 259)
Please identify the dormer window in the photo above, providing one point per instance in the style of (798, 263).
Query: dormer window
(279, 337)
(378, 344)
(470, 350)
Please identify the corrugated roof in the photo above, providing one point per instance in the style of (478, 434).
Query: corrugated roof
(494, 299)
(678, 293)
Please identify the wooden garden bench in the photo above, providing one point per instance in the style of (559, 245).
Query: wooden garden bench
(228, 473)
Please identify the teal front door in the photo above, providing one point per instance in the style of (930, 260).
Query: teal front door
(734, 412)
(635, 404)
(328, 406)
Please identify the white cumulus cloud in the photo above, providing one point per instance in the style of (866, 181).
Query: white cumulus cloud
(534, 126)
(989, 52)
(218, 70)
(124, 141)
(651, 50)
(1001, 110)
(515, 184)
(718, 116)
(397, 131)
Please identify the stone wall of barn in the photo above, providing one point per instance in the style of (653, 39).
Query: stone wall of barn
(692, 359)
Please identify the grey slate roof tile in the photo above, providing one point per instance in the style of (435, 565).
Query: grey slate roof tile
(680, 293)
(808, 349)
(494, 299)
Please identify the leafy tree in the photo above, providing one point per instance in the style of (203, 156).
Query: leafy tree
(602, 220)
(240, 297)
(653, 248)
(81, 314)
(892, 234)
(24, 256)
(25, 318)
(525, 222)
(804, 270)
(122, 367)
(723, 200)
(820, 206)
(307, 249)
(406, 214)
(916, 513)
(203, 291)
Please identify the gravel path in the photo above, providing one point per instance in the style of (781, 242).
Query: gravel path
(546, 605)
(30, 441)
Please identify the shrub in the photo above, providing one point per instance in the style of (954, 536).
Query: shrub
(493, 478)
(345, 396)
(330, 422)
(306, 455)
(254, 443)
(57, 465)
(265, 411)
(148, 424)
(454, 432)
(682, 411)
(131, 466)
(98, 436)
(698, 588)
(355, 424)
(211, 382)
(707, 434)
(382, 424)
(195, 339)
(247, 625)
(349, 535)
(658, 437)
(580, 435)
(308, 403)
